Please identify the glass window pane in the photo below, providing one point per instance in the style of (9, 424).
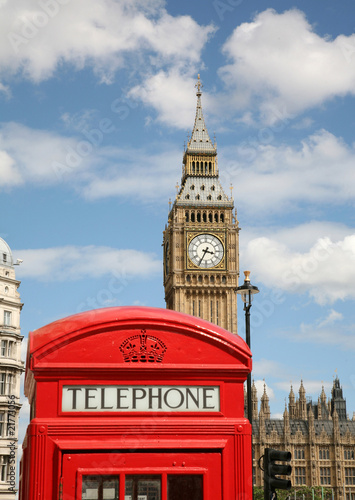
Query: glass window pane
(143, 487)
(129, 489)
(185, 486)
(90, 489)
(110, 489)
(100, 488)
(7, 318)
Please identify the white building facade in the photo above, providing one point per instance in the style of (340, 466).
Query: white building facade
(11, 368)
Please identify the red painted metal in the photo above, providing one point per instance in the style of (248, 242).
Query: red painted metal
(135, 347)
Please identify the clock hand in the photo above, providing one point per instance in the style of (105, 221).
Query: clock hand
(204, 253)
(203, 256)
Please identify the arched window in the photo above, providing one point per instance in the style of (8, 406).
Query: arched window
(187, 197)
(210, 217)
(192, 216)
(204, 217)
(187, 216)
(216, 217)
(198, 217)
(222, 217)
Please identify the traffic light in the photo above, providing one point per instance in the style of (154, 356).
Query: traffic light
(272, 470)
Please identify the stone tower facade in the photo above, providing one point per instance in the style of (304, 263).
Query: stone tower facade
(321, 441)
(11, 368)
(201, 238)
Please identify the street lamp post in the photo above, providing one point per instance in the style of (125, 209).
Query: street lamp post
(247, 290)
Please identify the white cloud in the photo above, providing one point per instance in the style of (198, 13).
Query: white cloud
(40, 36)
(298, 239)
(9, 173)
(137, 174)
(75, 263)
(21, 162)
(85, 163)
(157, 91)
(332, 317)
(319, 170)
(317, 258)
(280, 59)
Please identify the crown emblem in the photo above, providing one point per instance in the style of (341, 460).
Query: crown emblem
(143, 348)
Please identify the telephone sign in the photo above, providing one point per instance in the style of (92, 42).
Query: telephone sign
(140, 398)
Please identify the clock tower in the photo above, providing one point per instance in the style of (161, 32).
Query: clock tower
(201, 238)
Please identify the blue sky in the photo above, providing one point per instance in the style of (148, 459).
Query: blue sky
(96, 100)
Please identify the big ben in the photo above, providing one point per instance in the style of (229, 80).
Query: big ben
(201, 238)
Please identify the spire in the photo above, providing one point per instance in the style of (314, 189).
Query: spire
(302, 403)
(302, 391)
(265, 404)
(200, 182)
(200, 141)
(292, 404)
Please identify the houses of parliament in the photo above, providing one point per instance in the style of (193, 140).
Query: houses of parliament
(201, 269)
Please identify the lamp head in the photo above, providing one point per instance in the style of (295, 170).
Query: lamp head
(247, 290)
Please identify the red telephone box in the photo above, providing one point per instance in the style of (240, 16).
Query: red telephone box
(136, 403)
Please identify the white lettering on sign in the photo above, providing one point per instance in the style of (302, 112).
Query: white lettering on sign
(140, 398)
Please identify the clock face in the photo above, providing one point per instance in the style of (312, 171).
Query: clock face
(206, 251)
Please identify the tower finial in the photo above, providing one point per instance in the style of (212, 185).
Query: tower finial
(198, 85)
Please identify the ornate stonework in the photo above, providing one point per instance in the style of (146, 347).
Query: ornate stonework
(322, 443)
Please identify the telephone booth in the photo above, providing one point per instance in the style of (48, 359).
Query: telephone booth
(134, 403)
